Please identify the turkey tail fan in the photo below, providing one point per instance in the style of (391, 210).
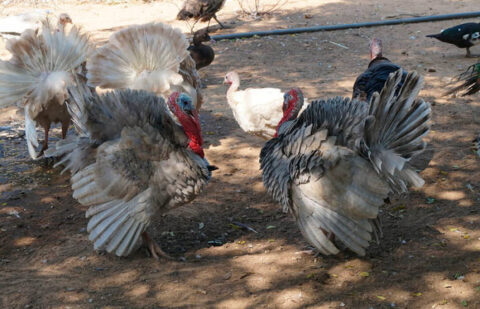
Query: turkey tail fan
(40, 67)
(476, 145)
(79, 94)
(394, 130)
(144, 57)
(469, 82)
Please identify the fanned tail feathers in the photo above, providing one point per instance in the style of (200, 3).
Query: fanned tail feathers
(395, 128)
(143, 57)
(114, 224)
(41, 64)
(469, 82)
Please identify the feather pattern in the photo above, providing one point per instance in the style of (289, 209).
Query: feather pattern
(130, 162)
(41, 68)
(151, 57)
(334, 165)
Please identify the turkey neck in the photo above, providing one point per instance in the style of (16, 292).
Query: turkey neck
(231, 91)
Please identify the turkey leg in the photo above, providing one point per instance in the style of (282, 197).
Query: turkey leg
(65, 128)
(45, 141)
(154, 248)
(221, 25)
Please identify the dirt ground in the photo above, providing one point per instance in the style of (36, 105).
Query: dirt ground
(429, 256)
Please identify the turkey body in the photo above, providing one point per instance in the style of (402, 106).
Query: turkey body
(256, 110)
(463, 36)
(334, 165)
(202, 10)
(374, 78)
(202, 54)
(131, 160)
(41, 69)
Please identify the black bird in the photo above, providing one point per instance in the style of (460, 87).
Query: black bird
(463, 36)
(375, 76)
(202, 54)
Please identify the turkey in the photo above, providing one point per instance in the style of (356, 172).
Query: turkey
(202, 54)
(37, 75)
(334, 165)
(202, 10)
(375, 76)
(476, 145)
(463, 36)
(150, 57)
(131, 160)
(469, 82)
(256, 110)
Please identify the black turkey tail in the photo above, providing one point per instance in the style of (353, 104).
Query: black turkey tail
(469, 82)
(395, 129)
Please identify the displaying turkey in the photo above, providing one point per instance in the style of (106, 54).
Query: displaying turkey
(202, 54)
(202, 10)
(132, 159)
(476, 145)
(375, 76)
(467, 83)
(334, 165)
(150, 57)
(463, 36)
(37, 75)
(256, 110)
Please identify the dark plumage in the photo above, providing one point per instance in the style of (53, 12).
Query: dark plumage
(202, 54)
(463, 36)
(202, 10)
(333, 166)
(469, 81)
(375, 76)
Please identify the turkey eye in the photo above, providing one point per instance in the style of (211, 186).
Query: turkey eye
(290, 97)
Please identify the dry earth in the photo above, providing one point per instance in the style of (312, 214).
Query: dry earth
(429, 256)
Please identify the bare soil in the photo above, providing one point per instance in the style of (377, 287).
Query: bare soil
(429, 256)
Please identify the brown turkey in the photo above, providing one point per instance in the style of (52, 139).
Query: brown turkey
(202, 54)
(375, 76)
(132, 159)
(335, 164)
(201, 10)
(151, 57)
(37, 75)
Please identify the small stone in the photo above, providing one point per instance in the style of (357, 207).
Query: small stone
(198, 256)
(90, 300)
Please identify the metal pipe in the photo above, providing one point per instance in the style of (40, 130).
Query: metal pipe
(346, 26)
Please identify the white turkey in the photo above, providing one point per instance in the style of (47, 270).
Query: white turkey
(131, 160)
(256, 110)
(37, 75)
(334, 165)
(152, 57)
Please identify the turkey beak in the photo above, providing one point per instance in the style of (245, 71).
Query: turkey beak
(212, 168)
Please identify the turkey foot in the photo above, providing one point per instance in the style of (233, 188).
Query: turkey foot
(154, 248)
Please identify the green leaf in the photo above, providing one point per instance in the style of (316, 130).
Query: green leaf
(271, 227)
(430, 200)
(464, 303)
(364, 274)
(381, 297)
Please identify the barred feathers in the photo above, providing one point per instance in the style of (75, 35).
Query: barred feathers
(143, 57)
(41, 64)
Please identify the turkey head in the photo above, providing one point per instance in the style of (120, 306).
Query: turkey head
(181, 105)
(292, 104)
